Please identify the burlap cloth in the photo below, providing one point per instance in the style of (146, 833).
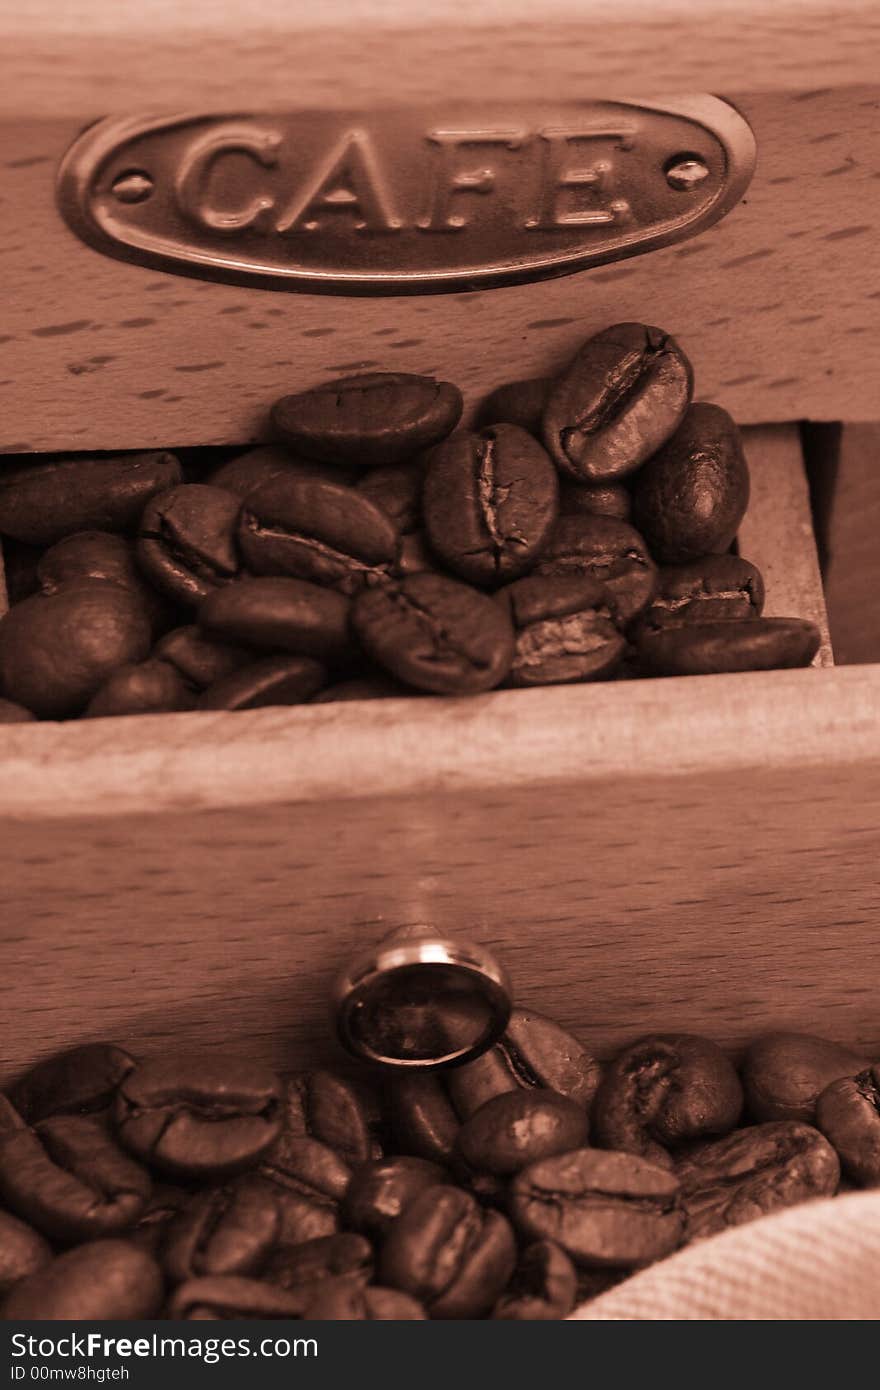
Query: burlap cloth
(820, 1261)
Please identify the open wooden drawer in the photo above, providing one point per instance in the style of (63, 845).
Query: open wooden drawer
(691, 853)
(698, 854)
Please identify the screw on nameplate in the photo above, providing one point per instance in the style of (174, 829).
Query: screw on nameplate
(686, 172)
(132, 186)
(421, 200)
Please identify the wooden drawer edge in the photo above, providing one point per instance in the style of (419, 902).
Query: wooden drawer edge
(343, 752)
(720, 903)
(105, 60)
(776, 719)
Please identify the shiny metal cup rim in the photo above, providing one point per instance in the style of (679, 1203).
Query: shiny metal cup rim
(476, 965)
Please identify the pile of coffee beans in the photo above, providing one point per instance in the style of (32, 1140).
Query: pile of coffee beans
(582, 531)
(513, 1187)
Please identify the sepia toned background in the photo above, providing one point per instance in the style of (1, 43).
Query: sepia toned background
(192, 879)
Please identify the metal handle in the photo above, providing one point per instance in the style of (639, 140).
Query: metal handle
(420, 1000)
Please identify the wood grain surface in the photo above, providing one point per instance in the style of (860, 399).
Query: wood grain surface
(776, 305)
(211, 52)
(696, 854)
(777, 531)
(854, 571)
(732, 890)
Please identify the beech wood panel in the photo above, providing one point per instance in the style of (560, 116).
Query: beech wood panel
(776, 305)
(777, 531)
(854, 571)
(222, 51)
(726, 900)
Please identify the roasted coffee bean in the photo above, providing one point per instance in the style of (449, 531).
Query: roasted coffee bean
(423, 1121)
(339, 1112)
(273, 680)
(103, 557)
(611, 551)
(22, 1251)
(149, 1231)
(199, 659)
(517, 403)
(690, 498)
(305, 1213)
(242, 474)
(98, 555)
(397, 491)
(225, 1230)
(449, 1254)
(311, 1161)
(57, 650)
(752, 1172)
(382, 1188)
(285, 614)
(104, 1281)
(706, 649)
(152, 687)
(602, 499)
(565, 629)
(603, 1208)
(415, 556)
(663, 1090)
(848, 1114)
(518, 1128)
(319, 531)
(11, 713)
(377, 687)
(20, 563)
(718, 588)
(278, 1241)
(70, 1179)
(489, 1189)
(9, 1116)
(375, 418)
(199, 1117)
(624, 394)
(785, 1073)
(436, 634)
(308, 1175)
(307, 1180)
(543, 1287)
(221, 1297)
(79, 1081)
(490, 501)
(534, 1051)
(347, 1300)
(41, 502)
(303, 1267)
(186, 541)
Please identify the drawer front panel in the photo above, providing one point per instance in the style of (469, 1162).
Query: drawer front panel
(726, 904)
(776, 304)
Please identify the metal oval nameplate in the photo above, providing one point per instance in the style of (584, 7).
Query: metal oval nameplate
(403, 202)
